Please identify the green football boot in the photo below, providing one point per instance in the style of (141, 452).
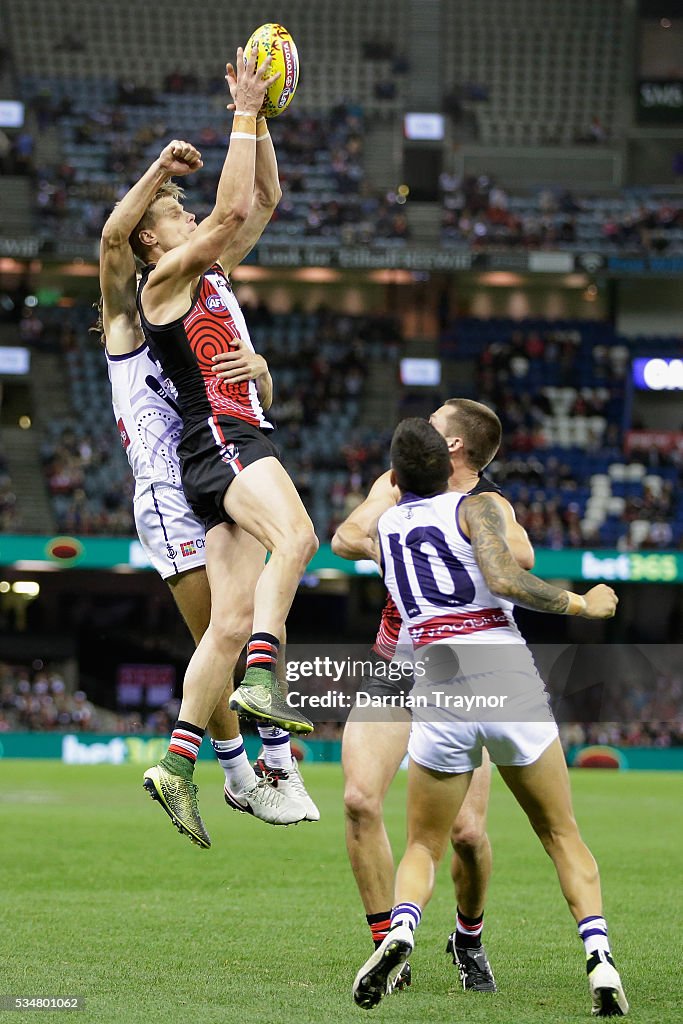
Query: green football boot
(260, 697)
(178, 797)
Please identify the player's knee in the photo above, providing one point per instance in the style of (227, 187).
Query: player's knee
(467, 834)
(360, 805)
(305, 542)
(231, 632)
(432, 844)
(558, 837)
(295, 541)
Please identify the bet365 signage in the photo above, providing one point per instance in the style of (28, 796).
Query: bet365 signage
(634, 566)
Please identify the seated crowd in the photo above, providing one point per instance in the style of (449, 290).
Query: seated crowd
(9, 519)
(108, 138)
(477, 212)
(559, 390)
(35, 698)
(104, 148)
(319, 361)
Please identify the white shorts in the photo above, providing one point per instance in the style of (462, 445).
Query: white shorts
(458, 749)
(171, 535)
(498, 702)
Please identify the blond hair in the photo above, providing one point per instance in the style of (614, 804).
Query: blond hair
(169, 190)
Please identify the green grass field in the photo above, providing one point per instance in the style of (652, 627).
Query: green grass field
(101, 898)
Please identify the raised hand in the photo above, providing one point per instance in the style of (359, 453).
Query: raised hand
(248, 83)
(178, 158)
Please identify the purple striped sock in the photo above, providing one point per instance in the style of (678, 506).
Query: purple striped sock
(406, 913)
(277, 749)
(593, 934)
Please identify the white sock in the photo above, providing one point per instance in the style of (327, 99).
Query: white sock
(277, 749)
(233, 759)
(593, 934)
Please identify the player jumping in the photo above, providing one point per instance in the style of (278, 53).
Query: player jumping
(173, 538)
(231, 473)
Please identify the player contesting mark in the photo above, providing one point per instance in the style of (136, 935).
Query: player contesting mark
(231, 472)
(483, 521)
(454, 590)
(374, 743)
(150, 425)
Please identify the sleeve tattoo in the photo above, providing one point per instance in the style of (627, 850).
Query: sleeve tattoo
(503, 575)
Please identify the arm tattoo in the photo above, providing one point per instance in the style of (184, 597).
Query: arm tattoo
(486, 524)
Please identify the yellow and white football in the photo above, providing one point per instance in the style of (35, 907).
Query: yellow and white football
(276, 40)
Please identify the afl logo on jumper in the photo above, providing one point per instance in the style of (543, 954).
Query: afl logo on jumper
(215, 304)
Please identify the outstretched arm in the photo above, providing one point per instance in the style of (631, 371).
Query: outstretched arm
(356, 536)
(218, 232)
(117, 263)
(482, 518)
(176, 159)
(267, 191)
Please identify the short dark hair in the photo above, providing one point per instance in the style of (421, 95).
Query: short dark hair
(479, 428)
(420, 458)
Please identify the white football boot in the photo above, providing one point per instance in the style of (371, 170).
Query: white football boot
(377, 977)
(268, 803)
(605, 986)
(288, 781)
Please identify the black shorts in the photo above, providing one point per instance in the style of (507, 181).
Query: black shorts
(387, 680)
(209, 462)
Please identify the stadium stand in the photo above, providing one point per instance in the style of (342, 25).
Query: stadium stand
(534, 72)
(319, 361)
(559, 390)
(351, 50)
(37, 699)
(320, 162)
(111, 87)
(9, 520)
(558, 386)
(481, 214)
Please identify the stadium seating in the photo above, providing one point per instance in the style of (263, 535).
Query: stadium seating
(559, 390)
(558, 387)
(479, 213)
(36, 698)
(348, 51)
(320, 164)
(535, 72)
(319, 361)
(8, 515)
